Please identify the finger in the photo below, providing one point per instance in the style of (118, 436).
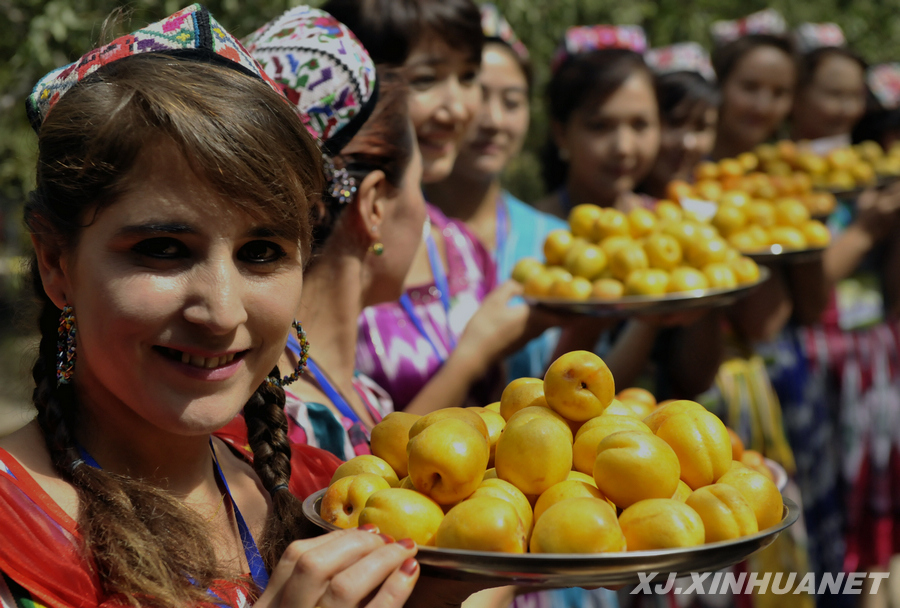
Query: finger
(313, 569)
(398, 586)
(359, 580)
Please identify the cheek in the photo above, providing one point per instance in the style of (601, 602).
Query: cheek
(421, 107)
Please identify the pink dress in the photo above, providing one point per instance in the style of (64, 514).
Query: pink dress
(392, 351)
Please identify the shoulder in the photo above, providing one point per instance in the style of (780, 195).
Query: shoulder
(462, 243)
(551, 205)
(521, 212)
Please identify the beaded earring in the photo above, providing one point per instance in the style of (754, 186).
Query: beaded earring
(65, 346)
(301, 364)
(377, 248)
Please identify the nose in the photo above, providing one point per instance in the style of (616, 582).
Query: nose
(690, 141)
(453, 102)
(216, 296)
(624, 141)
(491, 112)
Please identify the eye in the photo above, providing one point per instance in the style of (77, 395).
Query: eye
(162, 248)
(422, 79)
(469, 77)
(260, 252)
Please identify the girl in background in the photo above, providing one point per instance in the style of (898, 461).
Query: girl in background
(506, 226)
(451, 326)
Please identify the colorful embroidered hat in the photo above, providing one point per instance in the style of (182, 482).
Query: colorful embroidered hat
(497, 29)
(768, 21)
(586, 38)
(191, 33)
(812, 36)
(884, 82)
(322, 69)
(681, 57)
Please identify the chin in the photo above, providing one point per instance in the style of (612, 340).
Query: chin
(438, 168)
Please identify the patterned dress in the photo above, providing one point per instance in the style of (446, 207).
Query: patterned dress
(392, 351)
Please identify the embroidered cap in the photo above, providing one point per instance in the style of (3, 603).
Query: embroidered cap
(497, 29)
(681, 57)
(322, 68)
(812, 36)
(586, 38)
(191, 33)
(768, 21)
(884, 82)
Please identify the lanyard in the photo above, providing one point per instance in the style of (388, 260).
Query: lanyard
(443, 287)
(502, 234)
(251, 551)
(332, 393)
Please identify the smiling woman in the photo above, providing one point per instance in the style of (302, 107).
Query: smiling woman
(171, 228)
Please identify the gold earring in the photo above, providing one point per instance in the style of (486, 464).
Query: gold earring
(377, 248)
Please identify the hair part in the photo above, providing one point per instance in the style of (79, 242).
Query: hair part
(247, 142)
(384, 143)
(726, 57)
(391, 29)
(583, 80)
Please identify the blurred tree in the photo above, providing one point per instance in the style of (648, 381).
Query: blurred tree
(37, 36)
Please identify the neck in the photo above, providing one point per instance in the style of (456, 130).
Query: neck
(474, 201)
(580, 195)
(333, 297)
(728, 147)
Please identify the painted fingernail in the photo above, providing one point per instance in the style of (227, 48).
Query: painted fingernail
(407, 543)
(409, 566)
(387, 539)
(369, 528)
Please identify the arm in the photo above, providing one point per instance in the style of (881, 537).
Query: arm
(695, 356)
(762, 314)
(629, 355)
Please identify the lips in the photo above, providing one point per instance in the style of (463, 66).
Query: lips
(197, 360)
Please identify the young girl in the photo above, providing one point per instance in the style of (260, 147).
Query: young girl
(431, 347)
(689, 110)
(170, 225)
(373, 199)
(506, 226)
(604, 120)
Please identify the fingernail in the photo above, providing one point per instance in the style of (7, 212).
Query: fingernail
(409, 566)
(369, 528)
(387, 539)
(407, 543)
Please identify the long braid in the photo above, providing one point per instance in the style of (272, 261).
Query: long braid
(133, 532)
(267, 433)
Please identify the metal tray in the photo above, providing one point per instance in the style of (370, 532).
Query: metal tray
(778, 472)
(580, 570)
(776, 254)
(634, 306)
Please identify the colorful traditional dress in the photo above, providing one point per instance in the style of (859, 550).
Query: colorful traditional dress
(392, 350)
(318, 425)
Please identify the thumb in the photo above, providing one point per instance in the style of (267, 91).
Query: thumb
(509, 289)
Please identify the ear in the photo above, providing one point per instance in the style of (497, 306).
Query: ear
(372, 195)
(558, 132)
(52, 265)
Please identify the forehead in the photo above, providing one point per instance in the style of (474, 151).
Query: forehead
(497, 61)
(432, 50)
(635, 95)
(765, 62)
(838, 67)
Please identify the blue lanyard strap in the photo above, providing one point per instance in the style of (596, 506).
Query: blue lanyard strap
(251, 551)
(332, 393)
(502, 234)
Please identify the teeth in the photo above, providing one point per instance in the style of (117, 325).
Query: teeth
(202, 362)
(185, 358)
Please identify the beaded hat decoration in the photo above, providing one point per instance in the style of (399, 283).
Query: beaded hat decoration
(191, 33)
(812, 36)
(586, 38)
(497, 29)
(884, 82)
(768, 21)
(681, 57)
(322, 68)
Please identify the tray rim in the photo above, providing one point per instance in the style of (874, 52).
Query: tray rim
(776, 253)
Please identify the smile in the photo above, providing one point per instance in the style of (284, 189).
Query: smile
(196, 360)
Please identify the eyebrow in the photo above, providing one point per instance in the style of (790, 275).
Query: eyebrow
(157, 228)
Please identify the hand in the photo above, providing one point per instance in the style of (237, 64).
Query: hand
(347, 568)
(877, 210)
(497, 326)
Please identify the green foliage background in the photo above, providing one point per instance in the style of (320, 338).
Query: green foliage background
(37, 36)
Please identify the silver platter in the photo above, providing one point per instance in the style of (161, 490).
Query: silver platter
(776, 254)
(633, 306)
(778, 472)
(580, 570)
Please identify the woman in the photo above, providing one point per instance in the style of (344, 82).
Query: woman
(604, 120)
(506, 226)
(170, 229)
(431, 348)
(367, 230)
(688, 109)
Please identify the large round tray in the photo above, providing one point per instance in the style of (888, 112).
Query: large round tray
(633, 306)
(776, 254)
(778, 472)
(580, 570)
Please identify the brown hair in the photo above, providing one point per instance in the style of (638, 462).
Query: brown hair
(391, 29)
(582, 80)
(383, 143)
(726, 57)
(810, 62)
(250, 145)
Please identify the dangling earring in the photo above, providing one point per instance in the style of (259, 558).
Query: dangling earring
(301, 364)
(377, 248)
(65, 346)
